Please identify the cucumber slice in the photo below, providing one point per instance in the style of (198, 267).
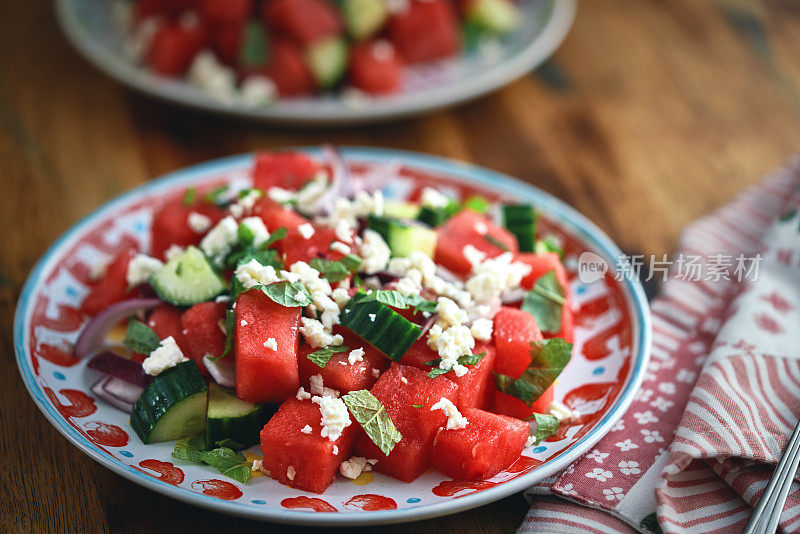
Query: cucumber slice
(364, 17)
(187, 279)
(520, 220)
(402, 238)
(397, 209)
(380, 326)
(494, 16)
(327, 60)
(435, 216)
(232, 418)
(173, 406)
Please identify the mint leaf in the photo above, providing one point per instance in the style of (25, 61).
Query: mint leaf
(477, 203)
(549, 244)
(420, 304)
(230, 326)
(254, 44)
(189, 196)
(548, 359)
(289, 294)
(322, 356)
(546, 302)
(469, 359)
(223, 459)
(334, 271)
(395, 299)
(368, 411)
(545, 426)
(278, 234)
(141, 338)
(215, 195)
(496, 242)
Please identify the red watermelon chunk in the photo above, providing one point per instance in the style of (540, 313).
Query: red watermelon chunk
(512, 406)
(264, 374)
(487, 445)
(171, 225)
(113, 287)
(307, 462)
(288, 170)
(165, 321)
(225, 12)
(514, 331)
(475, 388)
(427, 30)
(287, 68)
(305, 21)
(375, 67)
(339, 373)
(418, 426)
(294, 246)
(202, 331)
(173, 48)
(470, 228)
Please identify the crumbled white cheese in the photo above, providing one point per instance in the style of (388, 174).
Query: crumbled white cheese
(481, 227)
(353, 467)
(257, 91)
(344, 231)
(562, 413)
(306, 429)
(450, 344)
(198, 222)
(258, 465)
(271, 343)
(249, 200)
(404, 380)
(450, 314)
(336, 450)
(290, 472)
(473, 255)
(237, 210)
(168, 354)
(302, 394)
(219, 241)
(407, 286)
(482, 329)
(374, 252)
(335, 416)
(318, 388)
(253, 273)
(314, 332)
(329, 315)
(173, 251)
(341, 297)
(455, 420)
(256, 225)
(141, 268)
(309, 277)
(496, 275)
(215, 78)
(432, 198)
(356, 355)
(278, 194)
(338, 246)
(306, 230)
(376, 373)
(242, 323)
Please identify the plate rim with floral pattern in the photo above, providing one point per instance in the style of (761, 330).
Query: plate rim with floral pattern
(479, 177)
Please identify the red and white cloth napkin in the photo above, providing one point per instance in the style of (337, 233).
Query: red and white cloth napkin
(721, 396)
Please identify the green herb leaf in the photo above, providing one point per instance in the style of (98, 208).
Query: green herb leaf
(278, 234)
(141, 338)
(420, 304)
(230, 327)
(477, 203)
(548, 359)
(289, 294)
(335, 271)
(215, 195)
(230, 444)
(351, 262)
(549, 244)
(417, 405)
(372, 416)
(468, 359)
(223, 459)
(189, 196)
(546, 302)
(245, 234)
(322, 356)
(395, 299)
(546, 426)
(496, 242)
(253, 50)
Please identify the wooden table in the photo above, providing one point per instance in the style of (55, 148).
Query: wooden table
(652, 113)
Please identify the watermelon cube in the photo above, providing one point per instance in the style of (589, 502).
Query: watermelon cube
(470, 228)
(112, 288)
(305, 21)
(399, 389)
(287, 68)
(375, 67)
(475, 388)
(295, 247)
(264, 373)
(289, 170)
(171, 224)
(541, 264)
(303, 460)
(173, 48)
(507, 405)
(514, 331)
(225, 12)
(427, 30)
(165, 321)
(339, 373)
(204, 331)
(487, 445)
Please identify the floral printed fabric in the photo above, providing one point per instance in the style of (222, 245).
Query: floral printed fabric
(721, 395)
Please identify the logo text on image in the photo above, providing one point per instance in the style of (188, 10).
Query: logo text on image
(591, 267)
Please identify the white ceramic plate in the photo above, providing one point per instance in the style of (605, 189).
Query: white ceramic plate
(612, 342)
(90, 27)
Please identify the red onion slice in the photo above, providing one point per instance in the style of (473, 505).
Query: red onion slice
(340, 180)
(428, 323)
(94, 333)
(223, 371)
(122, 368)
(118, 393)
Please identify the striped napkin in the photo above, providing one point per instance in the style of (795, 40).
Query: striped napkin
(721, 396)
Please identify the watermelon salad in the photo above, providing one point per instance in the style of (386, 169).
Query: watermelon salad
(252, 51)
(338, 331)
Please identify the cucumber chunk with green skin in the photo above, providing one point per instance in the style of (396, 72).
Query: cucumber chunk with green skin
(187, 279)
(173, 406)
(380, 326)
(364, 17)
(327, 60)
(494, 16)
(402, 238)
(397, 209)
(233, 419)
(435, 216)
(520, 220)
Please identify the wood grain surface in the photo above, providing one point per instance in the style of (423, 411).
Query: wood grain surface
(651, 114)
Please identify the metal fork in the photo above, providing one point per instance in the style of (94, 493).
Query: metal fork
(767, 514)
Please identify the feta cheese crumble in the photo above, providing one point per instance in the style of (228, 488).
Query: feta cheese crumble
(318, 388)
(290, 472)
(335, 416)
(256, 225)
(314, 332)
(374, 252)
(432, 198)
(271, 344)
(496, 275)
(257, 91)
(338, 246)
(198, 222)
(302, 394)
(306, 230)
(217, 79)
(252, 274)
(455, 420)
(242, 323)
(141, 268)
(258, 465)
(356, 355)
(562, 413)
(482, 329)
(219, 241)
(353, 467)
(306, 429)
(167, 355)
